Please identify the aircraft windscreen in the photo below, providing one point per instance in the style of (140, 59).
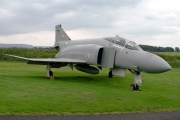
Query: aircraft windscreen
(132, 45)
(123, 42)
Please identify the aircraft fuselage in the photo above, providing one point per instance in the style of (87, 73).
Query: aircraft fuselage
(124, 58)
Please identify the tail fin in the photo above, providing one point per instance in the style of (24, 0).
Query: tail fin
(60, 35)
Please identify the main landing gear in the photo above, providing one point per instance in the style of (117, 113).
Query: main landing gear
(49, 73)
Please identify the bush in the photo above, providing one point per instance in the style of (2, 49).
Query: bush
(172, 58)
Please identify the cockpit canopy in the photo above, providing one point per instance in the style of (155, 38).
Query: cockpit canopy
(123, 42)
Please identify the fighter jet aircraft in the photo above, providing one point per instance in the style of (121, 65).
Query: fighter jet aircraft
(92, 55)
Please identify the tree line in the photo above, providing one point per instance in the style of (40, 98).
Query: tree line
(159, 49)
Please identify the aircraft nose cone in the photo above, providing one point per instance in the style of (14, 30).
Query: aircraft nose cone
(157, 64)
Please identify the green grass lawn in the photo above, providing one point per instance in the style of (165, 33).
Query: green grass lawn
(24, 90)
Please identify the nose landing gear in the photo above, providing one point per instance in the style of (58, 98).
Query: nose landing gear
(137, 80)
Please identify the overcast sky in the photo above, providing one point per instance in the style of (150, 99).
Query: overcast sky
(149, 22)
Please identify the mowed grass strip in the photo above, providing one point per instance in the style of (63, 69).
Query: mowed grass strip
(24, 90)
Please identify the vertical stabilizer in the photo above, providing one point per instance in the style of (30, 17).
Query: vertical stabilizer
(60, 35)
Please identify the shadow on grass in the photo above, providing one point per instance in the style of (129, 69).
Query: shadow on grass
(97, 80)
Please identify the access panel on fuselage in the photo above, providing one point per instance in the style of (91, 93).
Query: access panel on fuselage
(108, 57)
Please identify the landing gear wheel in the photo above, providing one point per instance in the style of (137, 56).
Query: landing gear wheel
(110, 74)
(50, 73)
(137, 87)
(134, 87)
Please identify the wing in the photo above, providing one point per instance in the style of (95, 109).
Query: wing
(45, 61)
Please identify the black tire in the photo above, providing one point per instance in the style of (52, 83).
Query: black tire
(132, 87)
(50, 73)
(137, 87)
(110, 74)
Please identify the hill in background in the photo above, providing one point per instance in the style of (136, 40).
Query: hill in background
(15, 45)
(21, 46)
